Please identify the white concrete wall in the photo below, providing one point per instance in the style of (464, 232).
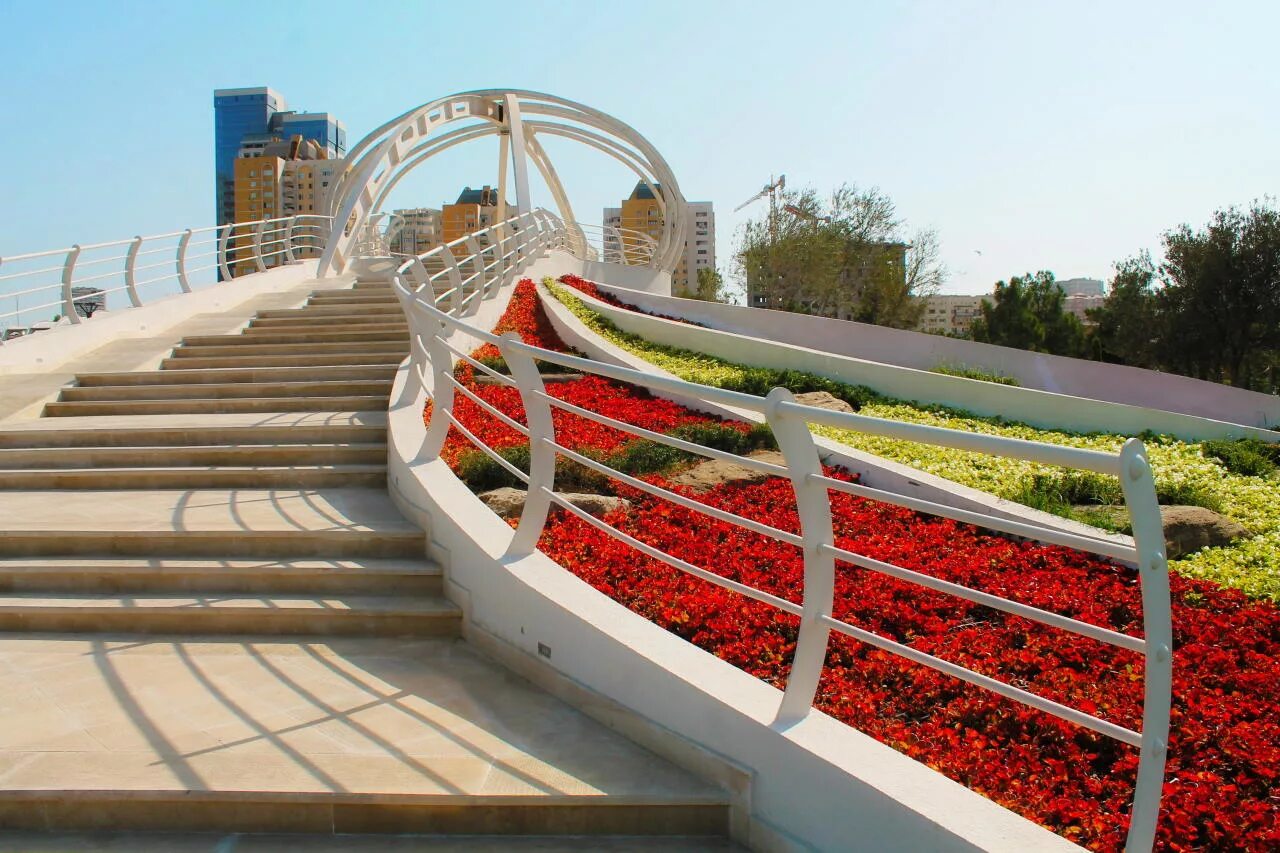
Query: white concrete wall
(1038, 408)
(1070, 376)
(46, 350)
(817, 785)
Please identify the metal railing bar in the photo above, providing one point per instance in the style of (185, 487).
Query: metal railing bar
(37, 289)
(32, 255)
(1026, 611)
(475, 398)
(486, 449)
(675, 562)
(669, 440)
(57, 269)
(1008, 691)
(501, 378)
(680, 500)
(1080, 542)
(19, 312)
(99, 277)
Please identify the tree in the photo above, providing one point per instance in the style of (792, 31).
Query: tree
(1027, 313)
(840, 257)
(1127, 326)
(710, 286)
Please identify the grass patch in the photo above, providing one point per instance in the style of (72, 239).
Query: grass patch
(966, 372)
(1246, 456)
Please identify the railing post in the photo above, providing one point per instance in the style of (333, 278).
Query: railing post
(1153, 574)
(288, 240)
(224, 240)
(181, 261)
(68, 275)
(477, 268)
(257, 245)
(813, 506)
(130, 280)
(455, 281)
(542, 456)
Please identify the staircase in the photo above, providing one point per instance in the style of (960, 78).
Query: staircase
(212, 617)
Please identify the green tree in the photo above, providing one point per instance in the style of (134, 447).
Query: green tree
(1126, 328)
(843, 256)
(710, 286)
(1027, 313)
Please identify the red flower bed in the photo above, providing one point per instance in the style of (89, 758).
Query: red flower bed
(1224, 757)
(590, 288)
(1223, 780)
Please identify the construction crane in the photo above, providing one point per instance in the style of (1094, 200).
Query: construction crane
(771, 190)
(801, 213)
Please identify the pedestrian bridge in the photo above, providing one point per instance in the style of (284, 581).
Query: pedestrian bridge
(242, 591)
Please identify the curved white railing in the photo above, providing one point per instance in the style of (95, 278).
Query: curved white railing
(78, 281)
(610, 244)
(434, 304)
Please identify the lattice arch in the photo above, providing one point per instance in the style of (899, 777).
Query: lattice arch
(379, 161)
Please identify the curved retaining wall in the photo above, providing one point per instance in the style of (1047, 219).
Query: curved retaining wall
(818, 784)
(1092, 380)
(1038, 408)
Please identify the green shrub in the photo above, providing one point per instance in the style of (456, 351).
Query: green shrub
(965, 372)
(1246, 456)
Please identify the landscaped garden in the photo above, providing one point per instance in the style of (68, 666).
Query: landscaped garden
(1237, 479)
(1223, 780)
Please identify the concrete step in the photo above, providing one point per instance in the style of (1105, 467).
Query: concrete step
(335, 310)
(354, 322)
(261, 348)
(135, 456)
(352, 740)
(169, 613)
(195, 361)
(250, 338)
(186, 430)
(317, 373)
(180, 841)
(223, 575)
(214, 406)
(196, 477)
(205, 543)
(229, 390)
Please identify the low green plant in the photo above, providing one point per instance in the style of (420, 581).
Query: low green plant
(1246, 456)
(966, 372)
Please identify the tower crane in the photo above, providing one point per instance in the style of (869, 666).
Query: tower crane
(771, 190)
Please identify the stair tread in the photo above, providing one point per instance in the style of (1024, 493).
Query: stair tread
(159, 600)
(354, 510)
(225, 420)
(224, 565)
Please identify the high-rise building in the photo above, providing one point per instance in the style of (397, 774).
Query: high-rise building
(473, 211)
(246, 120)
(642, 213)
(420, 232)
(950, 314)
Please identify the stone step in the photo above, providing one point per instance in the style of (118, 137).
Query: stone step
(214, 406)
(336, 310)
(224, 575)
(206, 543)
(186, 430)
(326, 326)
(258, 348)
(246, 373)
(346, 738)
(134, 456)
(195, 361)
(273, 337)
(342, 297)
(180, 841)
(354, 322)
(229, 390)
(170, 613)
(193, 477)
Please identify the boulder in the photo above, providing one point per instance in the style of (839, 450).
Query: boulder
(824, 400)
(1190, 528)
(509, 503)
(714, 472)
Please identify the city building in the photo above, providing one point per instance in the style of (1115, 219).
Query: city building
(641, 212)
(1083, 287)
(420, 232)
(276, 179)
(253, 118)
(950, 315)
(474, 210)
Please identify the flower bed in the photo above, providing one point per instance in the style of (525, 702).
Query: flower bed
(1182, 472)
(1223, 788)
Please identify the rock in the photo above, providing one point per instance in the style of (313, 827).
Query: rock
(1186, 528)
(714, 472)
(823, 400)
(1190, 528)
(509, 503)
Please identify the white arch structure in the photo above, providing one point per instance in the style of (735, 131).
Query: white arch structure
(380, 160)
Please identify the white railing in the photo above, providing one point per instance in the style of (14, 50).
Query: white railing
(608, 243)
(434, 315)
(77, 282)
(378, 232)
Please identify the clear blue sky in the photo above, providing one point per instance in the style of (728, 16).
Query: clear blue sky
(1045, 135)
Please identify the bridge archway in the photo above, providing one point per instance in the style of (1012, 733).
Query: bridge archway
(382, 158)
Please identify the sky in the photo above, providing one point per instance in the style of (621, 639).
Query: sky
(1029, 135)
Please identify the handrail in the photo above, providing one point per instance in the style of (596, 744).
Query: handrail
(435, 310)
(81, 280)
